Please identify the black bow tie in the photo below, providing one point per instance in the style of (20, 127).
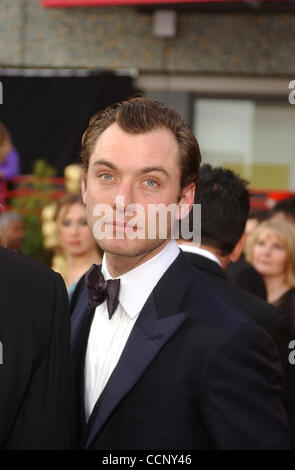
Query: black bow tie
(99, 289)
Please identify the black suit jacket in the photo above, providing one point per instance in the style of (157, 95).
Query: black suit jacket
(195, 373)
(274, 320)
(244, 275)
(261, 312)
(36, 376)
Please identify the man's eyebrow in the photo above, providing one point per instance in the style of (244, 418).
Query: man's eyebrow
(140, 171)
(105, 163)
(149, 169)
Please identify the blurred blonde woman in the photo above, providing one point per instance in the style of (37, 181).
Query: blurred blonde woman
(76, 241)
(271, 250)
(9, 158)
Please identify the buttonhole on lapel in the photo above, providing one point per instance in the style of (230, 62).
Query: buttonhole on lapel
(153, 338)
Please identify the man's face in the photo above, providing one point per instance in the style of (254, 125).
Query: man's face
(14, 235)
(141, 169)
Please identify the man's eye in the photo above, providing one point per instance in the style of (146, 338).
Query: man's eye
(151, 183)
(106, 177)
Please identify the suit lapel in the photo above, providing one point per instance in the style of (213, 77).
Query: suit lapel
(159, 319)
(81, 320)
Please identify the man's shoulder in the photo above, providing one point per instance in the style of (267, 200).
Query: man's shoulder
(257, 309)
(215, 321)
(29, 288)
(34, 298)
(183, 288)
(17, 265)
(212, 302)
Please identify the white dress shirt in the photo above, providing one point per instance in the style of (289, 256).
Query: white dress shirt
(189, 248)
(107, 338)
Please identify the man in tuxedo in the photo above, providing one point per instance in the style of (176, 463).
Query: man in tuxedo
(36, 375)
(225, 202)
(161, 360)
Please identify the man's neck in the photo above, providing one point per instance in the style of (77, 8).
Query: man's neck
(118, 265)
(224, 260)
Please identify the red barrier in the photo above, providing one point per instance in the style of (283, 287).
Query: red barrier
(266, 199)
(54, 188)
(260, 199)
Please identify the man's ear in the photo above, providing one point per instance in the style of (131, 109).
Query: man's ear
(237, 251)
(84, 186)
(187, 200)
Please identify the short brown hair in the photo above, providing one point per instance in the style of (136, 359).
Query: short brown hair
(142, 115)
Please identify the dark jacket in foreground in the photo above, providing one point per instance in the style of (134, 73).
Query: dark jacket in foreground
(36, 392)
(195, 373)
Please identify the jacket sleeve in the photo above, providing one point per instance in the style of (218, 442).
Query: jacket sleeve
(240, 392)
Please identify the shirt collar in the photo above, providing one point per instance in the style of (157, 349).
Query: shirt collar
(200, 251)
(137, 284)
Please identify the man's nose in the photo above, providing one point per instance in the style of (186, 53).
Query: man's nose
(124, 196)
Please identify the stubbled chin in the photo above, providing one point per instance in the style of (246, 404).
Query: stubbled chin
(128, 248)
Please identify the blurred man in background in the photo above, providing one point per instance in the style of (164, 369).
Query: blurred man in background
(224, 203)
(12, 230)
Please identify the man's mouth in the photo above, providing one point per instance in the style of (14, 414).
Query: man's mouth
(122, 226)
